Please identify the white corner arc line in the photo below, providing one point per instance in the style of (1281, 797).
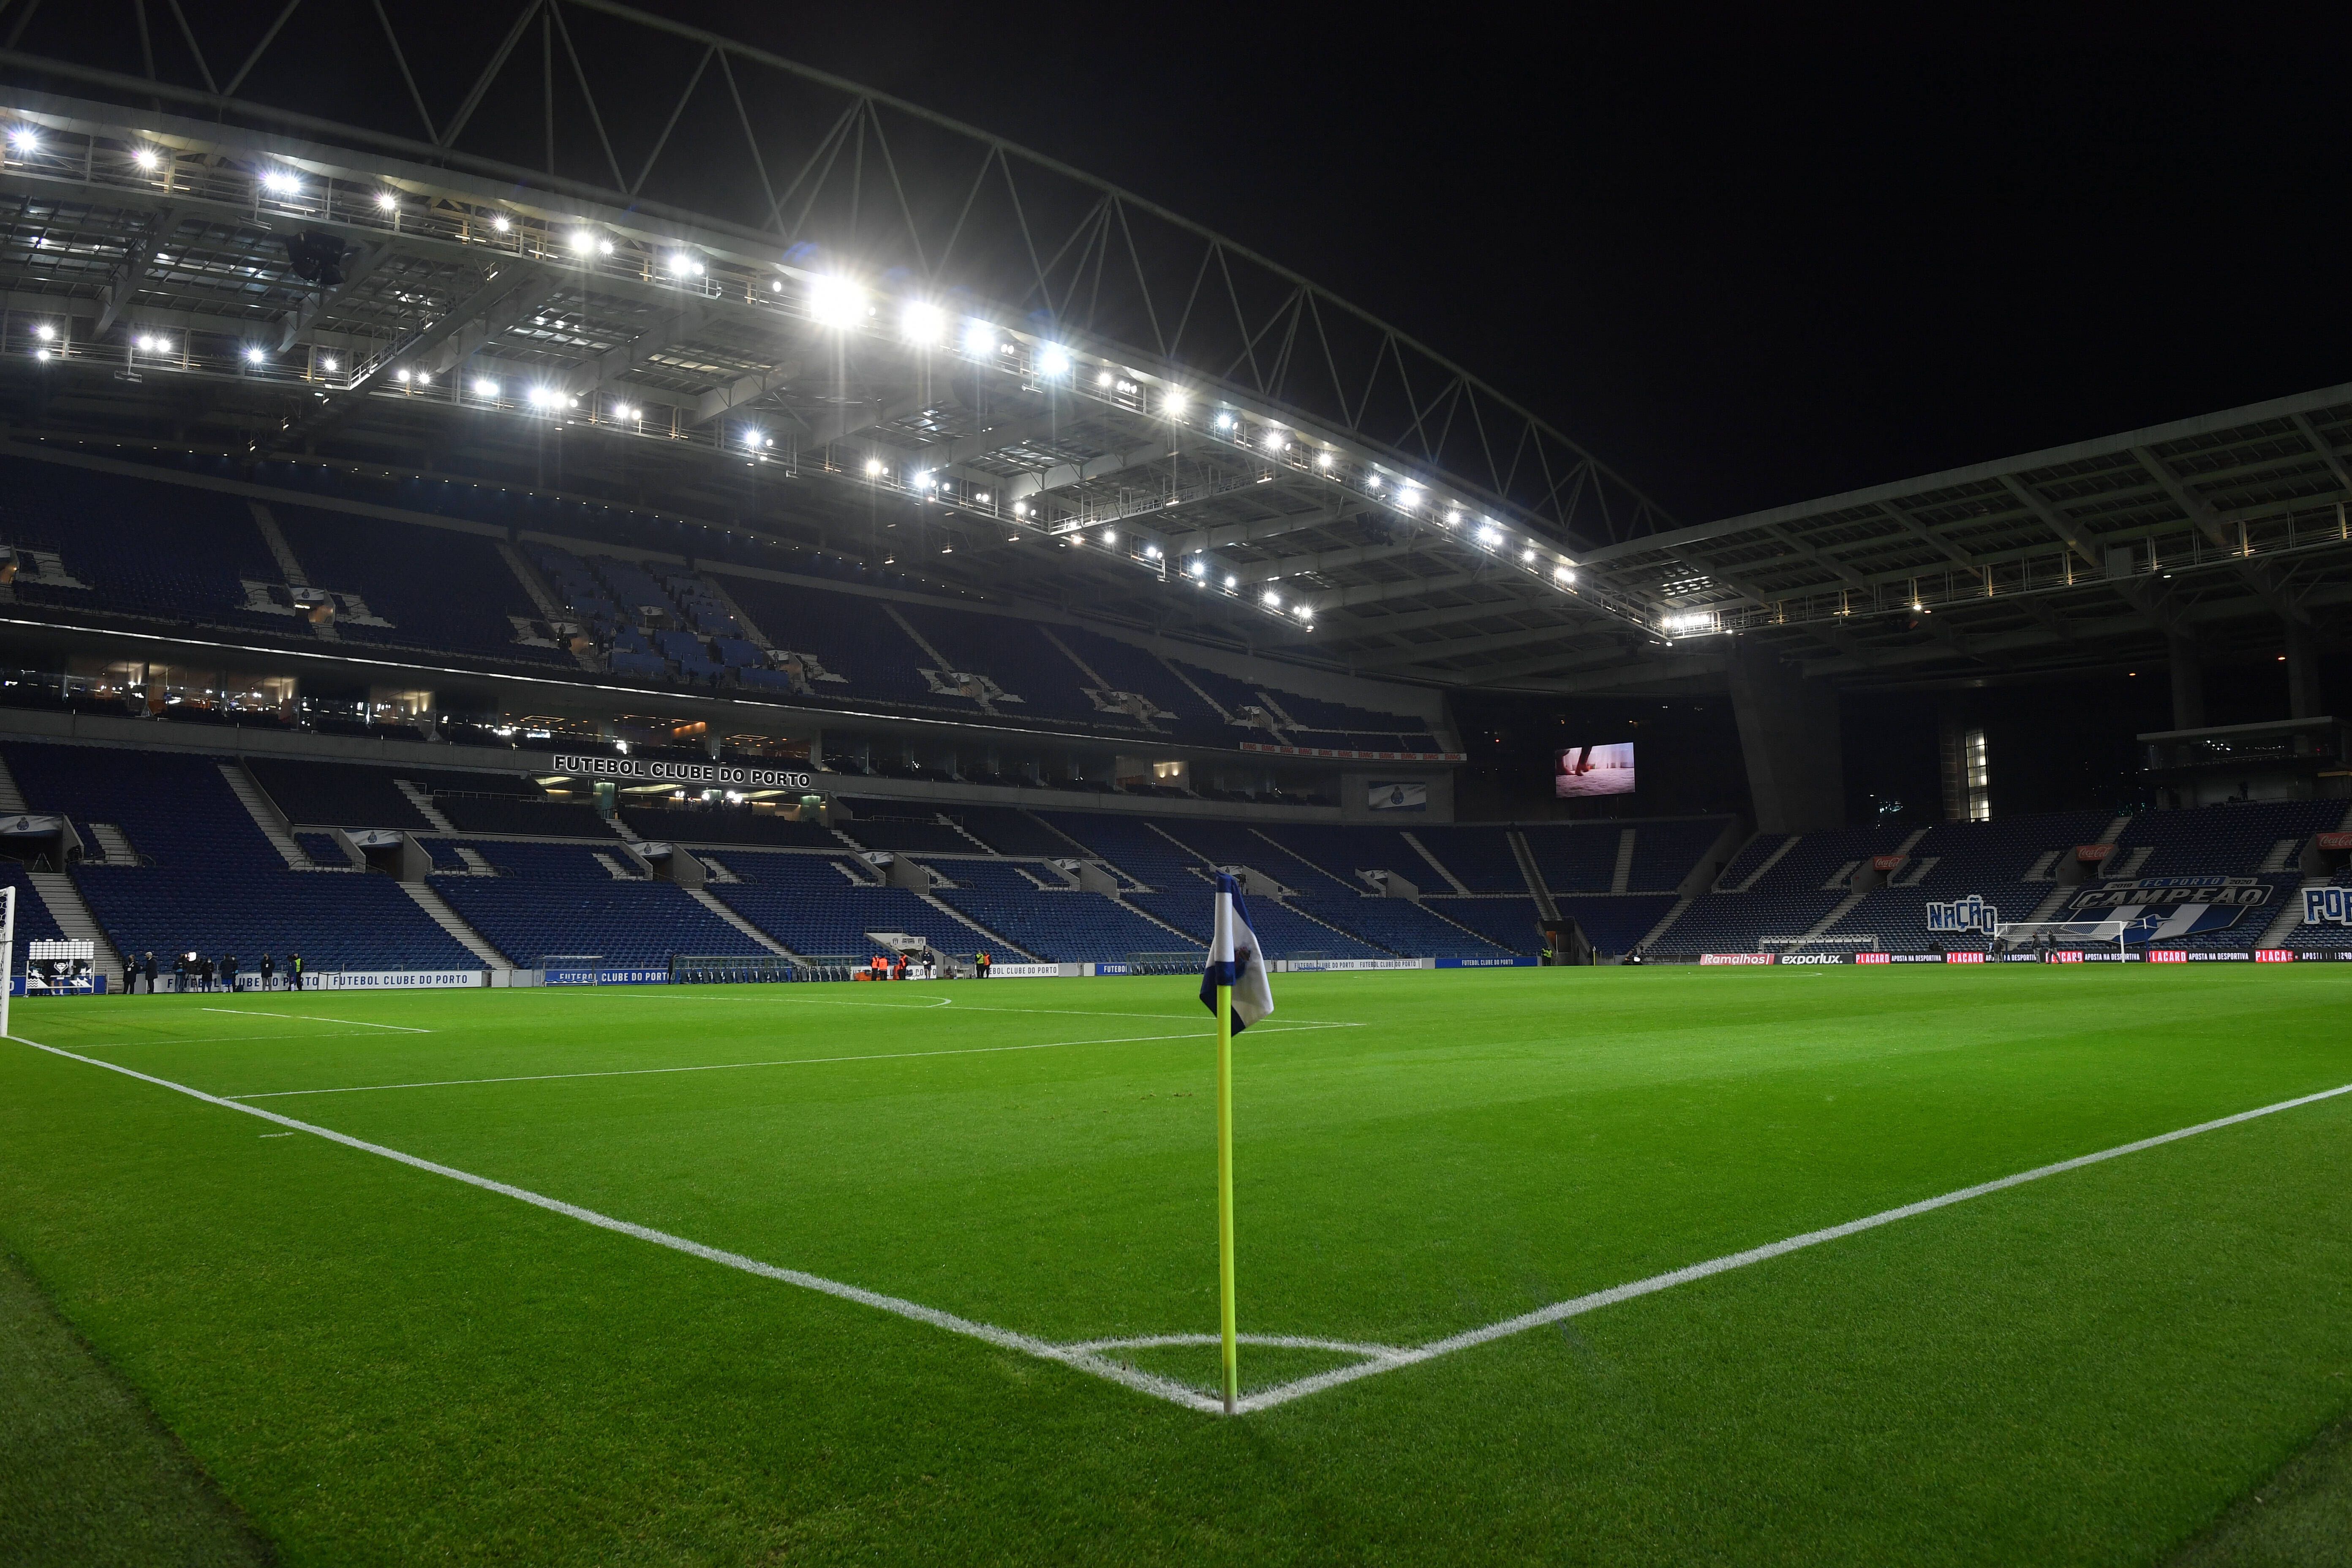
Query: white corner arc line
(1005, 1338)
(1081, 1356)
(311, 1019)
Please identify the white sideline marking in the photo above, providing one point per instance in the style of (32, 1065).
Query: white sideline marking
(1084, 1355)
(312, 1018)
(732, 1066)
(1005, 1338)
(948, 1001)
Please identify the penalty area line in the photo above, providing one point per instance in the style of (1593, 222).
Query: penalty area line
(312, 1018)
(737, 1067)
(1077, 1357)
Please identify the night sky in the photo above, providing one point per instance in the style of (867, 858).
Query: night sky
(1745, 260)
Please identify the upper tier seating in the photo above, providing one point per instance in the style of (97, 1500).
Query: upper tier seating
(1236, 844)
(2233, 838)
(1665, 852)
(1059, 927)
(506, 814)
(336, 794)
(1578, 859)
(1514, 925)
(725, 825)
(441, 590)
(1011, 831)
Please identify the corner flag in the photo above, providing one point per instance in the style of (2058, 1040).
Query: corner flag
(1234, 987)
(1236, 960)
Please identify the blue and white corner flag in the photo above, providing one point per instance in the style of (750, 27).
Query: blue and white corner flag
(1235, 959)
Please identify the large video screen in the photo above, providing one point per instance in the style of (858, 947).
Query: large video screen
(1580, 771)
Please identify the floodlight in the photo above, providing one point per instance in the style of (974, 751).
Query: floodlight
(1224, 421)
(1305, 612)
(253, 354)
(626, 412)
(775, 284)
(537, 397)
(1110, 536)
(41, 353)
(583, 240)
(1151, 550)
(164, 346)
(1271, 601)
(1103, 379)
(25, 139)
(401, 376)
(1322, 459)
(329, 364)
(1453, 519)
(280, 181)
(1563, 575)
(1490, 535)
(1527, 555)
(874, 468)
(486, 387)
(1232, 581)
(979, 498)
(922, 323)
(1172, 401)
(1371, 481)
(1021, 508)
(834, 301)
(1199, 569)
(386, 200)
(46, 332)
(146, 343)
(1274, 441)
(751, 437)
(424, 378)
(145, 158)
(605, 246)
(502, 222)
(979, 337)
(1053, 360)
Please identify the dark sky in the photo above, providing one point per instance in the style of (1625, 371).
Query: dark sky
(1745, 261)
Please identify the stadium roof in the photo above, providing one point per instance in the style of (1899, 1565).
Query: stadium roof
(594, 252)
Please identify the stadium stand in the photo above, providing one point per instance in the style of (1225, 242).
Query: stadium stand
(336, 794)
(1399, 926)
(2223, 838)
(1616, 924)
(1060, 927)
(1578, 859)
(1009, 831)
(471, 813)
(820, 904)
(1480, 858)
(725, 825)
(557, 898)
(1515, 925)
(34, 922)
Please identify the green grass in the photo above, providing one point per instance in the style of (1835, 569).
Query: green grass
(380, 1364)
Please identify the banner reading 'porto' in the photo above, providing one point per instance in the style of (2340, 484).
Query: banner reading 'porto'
(2153, 908)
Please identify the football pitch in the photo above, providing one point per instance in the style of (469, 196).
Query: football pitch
(1990, 1266)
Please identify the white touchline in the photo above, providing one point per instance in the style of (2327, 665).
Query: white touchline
(1086, 1355)
(735, 1067)
(312, 1018)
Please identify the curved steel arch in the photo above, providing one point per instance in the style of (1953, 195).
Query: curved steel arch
(599, 102)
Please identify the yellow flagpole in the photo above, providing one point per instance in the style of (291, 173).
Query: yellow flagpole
(1225, 1193)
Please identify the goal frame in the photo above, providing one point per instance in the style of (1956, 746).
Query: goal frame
(1857, 941)
(571, 963)
(2004, 931)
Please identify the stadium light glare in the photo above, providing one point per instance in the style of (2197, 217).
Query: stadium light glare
(386, 200)
(146, 158)
(502, 222)
(1275, 440)
(979, 337)
(1151, 551)
(1490, 535)
(253, 353)
(1224, 421)
(46, 332)
(923, 324)
(1305, 612)
(424, 378)
(281, 183)
(583, 240)
(1053, 360)
(835, 301)
(1563, 575)
(1323, 459)
(1172, 401)
(1271, 601)
(1200, 568)
(1110, 536)
(604, 247)
(25, 139)
(146, 343)
(1528, 556)
(41, 353)
(401, 375)
(1103, 378)
(979, 498)
(873, 467)
(1021, 508)
(330, 365)
(1232, 581)
(485, 387)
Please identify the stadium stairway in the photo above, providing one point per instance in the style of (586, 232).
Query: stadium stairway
(72, 913)
(424, 807)
(1527, 859)
(710, 900)
(1666, 923)
(1435, 865)
(266, 817)
(450, 920)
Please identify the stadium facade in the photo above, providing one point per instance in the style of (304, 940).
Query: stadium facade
(467, 532)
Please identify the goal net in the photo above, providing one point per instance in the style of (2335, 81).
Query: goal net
(1866, 942)
(572, 968)
(2019, 935)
